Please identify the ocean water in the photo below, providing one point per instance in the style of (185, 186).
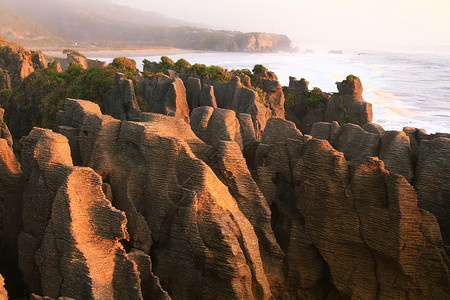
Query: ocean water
(405, 89)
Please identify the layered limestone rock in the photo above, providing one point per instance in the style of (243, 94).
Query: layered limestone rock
(214, 125)
(385, 247)
(38, 60)
(220, 128)
(167, 96)
(193, 90)
(396, 153)
(173, 199)
(207, 97)
(18, 62)
(122, 103)
(4, 130)
(69, 244)
(420, 158)
(5, 79)
(432, 181)
(305, 107)
(3, 292)
(232, 95)
(348, 105)
(265, 42)
(11, 190)
(356, 143)
(274, 97)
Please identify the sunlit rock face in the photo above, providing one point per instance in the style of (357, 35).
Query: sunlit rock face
(158, 208)
(158, 176)
(306, 107)
(352, 224)
(69, 243)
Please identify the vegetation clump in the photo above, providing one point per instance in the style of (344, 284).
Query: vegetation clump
(350, 78)
(291, 100)
(125, 65)
(314, 97)
(50, 88)
(181, 65)
(73, 53)
(261, 94)
(259, 69)
(214, 73)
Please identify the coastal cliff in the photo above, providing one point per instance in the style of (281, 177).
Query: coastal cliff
(105, 24)
(193, 182)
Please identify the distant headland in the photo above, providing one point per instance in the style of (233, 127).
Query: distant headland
(86, 25)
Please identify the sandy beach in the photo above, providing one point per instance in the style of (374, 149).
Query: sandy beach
(112, 53)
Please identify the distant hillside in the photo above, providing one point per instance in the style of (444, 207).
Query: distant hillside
(102, 23)
(20, 29)
(86, 19)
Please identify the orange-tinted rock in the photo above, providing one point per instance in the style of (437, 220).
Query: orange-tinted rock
(376, 250)
(232, 95)
(396, 153)
(432, 181)
(122, 103)
(11, 190)
(168, 98)
(158, 180)
(80, 255)
(278, 130)
(3, 292)
(69, 244)
(357, 144)
(274, 97)
(5, 79)
(4, 131)
(348, 105)
(151, 287)
(221, 125)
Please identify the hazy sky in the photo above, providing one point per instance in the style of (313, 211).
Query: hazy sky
(339, 23)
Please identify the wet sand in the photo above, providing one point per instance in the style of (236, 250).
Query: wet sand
(126, 52)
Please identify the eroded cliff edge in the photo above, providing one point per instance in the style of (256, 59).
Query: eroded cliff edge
(149, 195)
(216, 195)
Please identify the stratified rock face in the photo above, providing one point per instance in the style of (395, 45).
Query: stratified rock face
(11, 191)
(168, 98)
(38, 60)
(396, 153)
(305, 107)
(4, 131)
(278, 130)
(432, 181)
(384, 247)
(348, 105)
(151, 287)
(173, 199)
(207, 97)
(122, 103)
(18, 62)
(275, 97)
(214, 125)
(3, 292)
(232, 95)
(357, 144)
(80, 255)
(5, 80)
(193, 89)
(69, 244)
(265, 42)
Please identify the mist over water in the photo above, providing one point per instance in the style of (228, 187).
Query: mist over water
(406, 89)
